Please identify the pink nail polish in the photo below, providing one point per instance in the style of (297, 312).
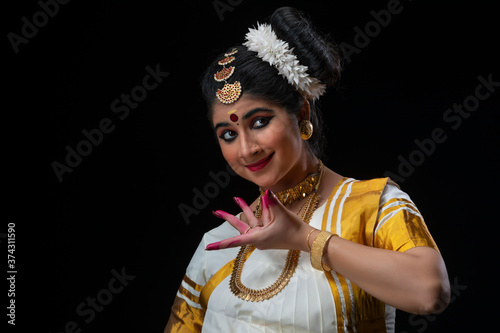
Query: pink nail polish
(216, 214)
(265, 201)
(213, 246)
(270, 197)
(237, 200)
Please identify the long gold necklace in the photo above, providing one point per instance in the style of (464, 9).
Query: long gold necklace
(309, 186)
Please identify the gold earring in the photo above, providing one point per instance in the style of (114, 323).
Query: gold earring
(306, 129)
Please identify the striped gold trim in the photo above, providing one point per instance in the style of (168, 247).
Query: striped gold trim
(183, 291)
(192, 284)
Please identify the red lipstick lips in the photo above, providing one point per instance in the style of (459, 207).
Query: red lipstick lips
(260, 164)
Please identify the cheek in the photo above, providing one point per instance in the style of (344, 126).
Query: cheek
(285, 138)
(228, 152)
(231, 155)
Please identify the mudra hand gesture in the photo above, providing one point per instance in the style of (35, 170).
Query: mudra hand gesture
(279, 228)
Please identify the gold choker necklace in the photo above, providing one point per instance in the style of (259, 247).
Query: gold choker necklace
(298, 192)
(303, 189)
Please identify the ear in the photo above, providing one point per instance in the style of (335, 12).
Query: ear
(305, 111)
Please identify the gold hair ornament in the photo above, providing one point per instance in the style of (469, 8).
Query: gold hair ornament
(224, 74)
(230, 92)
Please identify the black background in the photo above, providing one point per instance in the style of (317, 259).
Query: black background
(119, 207)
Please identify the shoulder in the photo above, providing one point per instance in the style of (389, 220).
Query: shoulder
(353, 188)
(375, 185)
(393, 191)
(379, 191)
(393, 200)
(367, 197)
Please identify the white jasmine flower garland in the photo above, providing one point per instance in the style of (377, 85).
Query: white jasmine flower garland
(277, 53)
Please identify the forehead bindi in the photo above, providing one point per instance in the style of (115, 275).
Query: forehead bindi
(233, 116)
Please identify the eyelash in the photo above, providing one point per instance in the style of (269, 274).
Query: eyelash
(266, 122)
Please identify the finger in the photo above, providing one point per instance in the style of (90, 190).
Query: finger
(253, 221)
(269, 201)
(233, 220)
(230, 242)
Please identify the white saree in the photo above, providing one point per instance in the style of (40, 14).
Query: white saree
(373, 213)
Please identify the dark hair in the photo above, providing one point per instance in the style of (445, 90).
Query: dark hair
(258, 78)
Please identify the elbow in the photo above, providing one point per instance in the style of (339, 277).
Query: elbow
(434, 298)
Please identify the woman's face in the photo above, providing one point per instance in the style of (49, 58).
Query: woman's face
(260, 140)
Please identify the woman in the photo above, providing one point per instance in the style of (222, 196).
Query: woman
(316, 252)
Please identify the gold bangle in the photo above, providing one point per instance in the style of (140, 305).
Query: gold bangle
(307, 240)
(317, 250)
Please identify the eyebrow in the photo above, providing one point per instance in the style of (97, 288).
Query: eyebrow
(220, 125)
(245, 116)
(254, 111)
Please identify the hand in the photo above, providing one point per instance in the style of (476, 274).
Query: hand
(280, 228)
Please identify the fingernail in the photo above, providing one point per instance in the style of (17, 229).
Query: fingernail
(237, 200)
(216, 213)
(213, 246)
(270, 197)
(264, 200)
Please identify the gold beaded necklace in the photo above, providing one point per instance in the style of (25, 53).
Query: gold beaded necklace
(309, 186)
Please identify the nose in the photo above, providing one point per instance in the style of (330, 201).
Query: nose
(248, 148)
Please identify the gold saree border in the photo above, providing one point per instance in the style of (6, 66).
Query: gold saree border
(216, 279)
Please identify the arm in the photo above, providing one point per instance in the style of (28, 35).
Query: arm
(414, 281)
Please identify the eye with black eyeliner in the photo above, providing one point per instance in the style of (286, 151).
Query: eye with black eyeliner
(258, 123)
(261, 122)
(228, 135)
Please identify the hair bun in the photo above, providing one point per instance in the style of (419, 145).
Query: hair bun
(317, 52)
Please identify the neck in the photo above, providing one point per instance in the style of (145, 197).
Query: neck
(297, 173)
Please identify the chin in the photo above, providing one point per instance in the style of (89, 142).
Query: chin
(264, 178)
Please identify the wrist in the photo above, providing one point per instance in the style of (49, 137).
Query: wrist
(304, 237)
(311, 236)
(318, 247)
